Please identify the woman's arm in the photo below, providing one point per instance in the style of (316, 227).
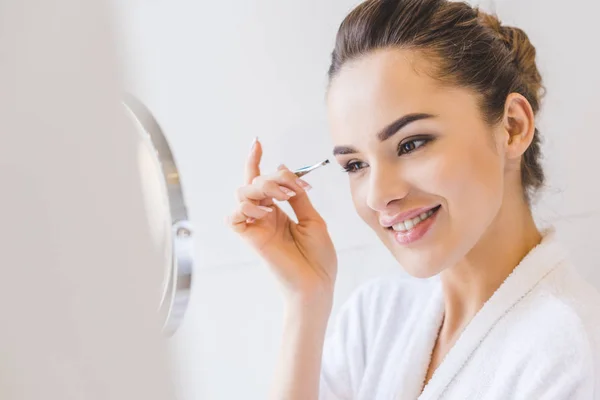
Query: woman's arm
(299, 364)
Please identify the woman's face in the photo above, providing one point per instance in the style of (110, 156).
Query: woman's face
(426, 173)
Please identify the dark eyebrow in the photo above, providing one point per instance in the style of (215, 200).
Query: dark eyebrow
(387, 132)
(400, 123)
(340, 150)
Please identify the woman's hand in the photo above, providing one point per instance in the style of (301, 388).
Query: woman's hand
(301, 255)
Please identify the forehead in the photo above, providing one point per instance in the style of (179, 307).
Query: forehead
(380, 69)
(370, 92)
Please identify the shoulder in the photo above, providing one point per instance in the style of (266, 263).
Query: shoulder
(568, 304)
(560, 323)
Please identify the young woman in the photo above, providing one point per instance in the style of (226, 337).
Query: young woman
(432, 108)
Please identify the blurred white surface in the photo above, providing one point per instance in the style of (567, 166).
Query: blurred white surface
(78, 269)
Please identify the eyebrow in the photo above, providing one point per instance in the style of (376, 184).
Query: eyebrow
(387, 132)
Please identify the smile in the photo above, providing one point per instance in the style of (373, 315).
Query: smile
(409, 224)
(413, 229)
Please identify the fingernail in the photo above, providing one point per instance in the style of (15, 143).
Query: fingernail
(254, 143)
(281, 166)
(250, 220)
(303, 184)
(267, 209)
(287, 191)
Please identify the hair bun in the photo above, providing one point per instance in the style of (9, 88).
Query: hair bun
(522, 50)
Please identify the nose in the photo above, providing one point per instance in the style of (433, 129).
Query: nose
(386, 186)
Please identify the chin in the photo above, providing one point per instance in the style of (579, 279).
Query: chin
(423, 269)
(423, 261)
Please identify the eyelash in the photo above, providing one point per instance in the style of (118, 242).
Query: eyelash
(352, 166)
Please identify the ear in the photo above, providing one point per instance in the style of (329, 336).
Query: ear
(518, 124)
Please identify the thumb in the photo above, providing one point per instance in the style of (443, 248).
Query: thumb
(304, 209)
(301, 204)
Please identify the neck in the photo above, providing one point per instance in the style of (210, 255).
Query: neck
(471, 282)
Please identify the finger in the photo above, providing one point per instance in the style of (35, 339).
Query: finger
(248, 211)
(236, 218)
(252, 210)
(304, 209)
(264, 190)
(253, 161)
(289, 176)
(301, 203)
(289, 183)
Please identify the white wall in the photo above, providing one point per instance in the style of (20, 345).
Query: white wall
(217, 74)
(78, 266)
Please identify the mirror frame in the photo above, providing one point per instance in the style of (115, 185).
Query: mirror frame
(176, 294)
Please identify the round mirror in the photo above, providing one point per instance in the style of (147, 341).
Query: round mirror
(164, 203)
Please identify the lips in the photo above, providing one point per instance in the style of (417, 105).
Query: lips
(409, 224)
(405, 216)
(405, 235)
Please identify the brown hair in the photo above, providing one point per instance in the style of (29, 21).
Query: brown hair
(471, 49)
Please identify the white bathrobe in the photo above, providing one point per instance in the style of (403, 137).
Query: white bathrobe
(536, 338)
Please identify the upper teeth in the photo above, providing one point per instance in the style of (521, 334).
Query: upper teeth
(411, 223)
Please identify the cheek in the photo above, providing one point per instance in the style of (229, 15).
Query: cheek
(470, 179)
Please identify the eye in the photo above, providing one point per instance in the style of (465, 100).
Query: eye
(412, 145)
(354, 166)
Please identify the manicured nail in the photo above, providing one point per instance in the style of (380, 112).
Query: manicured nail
(267, 209)
(287, 191)
(303, 184)
(254, 143)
